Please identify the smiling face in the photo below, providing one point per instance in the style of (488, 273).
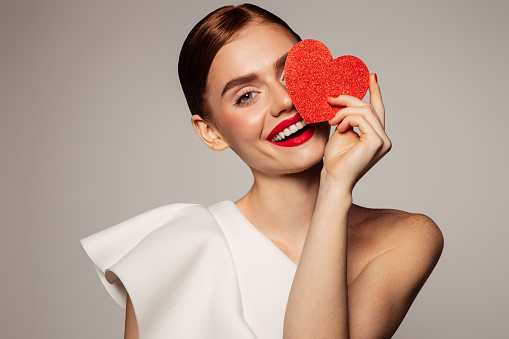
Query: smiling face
(251, 109)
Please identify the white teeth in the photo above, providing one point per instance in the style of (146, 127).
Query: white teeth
(288, 131)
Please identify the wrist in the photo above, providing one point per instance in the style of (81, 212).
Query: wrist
(334, 191)
(332, 184)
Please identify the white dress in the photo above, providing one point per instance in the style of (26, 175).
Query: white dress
(195, 273)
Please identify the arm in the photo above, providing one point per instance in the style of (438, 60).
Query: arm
(317, 305)
(379, 298)
(383, 292)
(131, 327)
(318, 302)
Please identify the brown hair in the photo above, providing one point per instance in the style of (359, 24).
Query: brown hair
(204, 41)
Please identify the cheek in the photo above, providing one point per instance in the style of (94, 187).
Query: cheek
(242, 127)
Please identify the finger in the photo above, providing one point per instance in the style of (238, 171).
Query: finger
(375, 98)
(368, 113)
(368, 133)
(346, 100)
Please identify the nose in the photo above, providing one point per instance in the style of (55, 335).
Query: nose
(281, 101)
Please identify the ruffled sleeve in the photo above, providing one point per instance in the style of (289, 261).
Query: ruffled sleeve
(176, 265)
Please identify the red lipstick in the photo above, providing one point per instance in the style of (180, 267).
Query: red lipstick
(291, 141)
(284, 124)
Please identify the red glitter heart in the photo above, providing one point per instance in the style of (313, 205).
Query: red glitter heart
(312, 76)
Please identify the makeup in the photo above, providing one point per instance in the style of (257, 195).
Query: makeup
(291, 132)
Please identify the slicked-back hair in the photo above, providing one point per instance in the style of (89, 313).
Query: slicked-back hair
(204, 41)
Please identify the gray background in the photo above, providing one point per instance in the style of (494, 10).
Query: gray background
(94, 130)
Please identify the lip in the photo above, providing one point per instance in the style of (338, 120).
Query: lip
(284, 124)
(297, 140)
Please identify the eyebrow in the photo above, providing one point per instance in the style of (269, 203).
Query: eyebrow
(278, 65)
(239, 81)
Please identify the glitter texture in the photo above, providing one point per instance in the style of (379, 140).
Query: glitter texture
(312, 76)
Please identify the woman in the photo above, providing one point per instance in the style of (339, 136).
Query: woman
(358, 270)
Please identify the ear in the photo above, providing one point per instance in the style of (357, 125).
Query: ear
(208, 133)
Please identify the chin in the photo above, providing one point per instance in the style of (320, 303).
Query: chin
(291, 160)
(305, 163)
(309, 156)
(305, 160)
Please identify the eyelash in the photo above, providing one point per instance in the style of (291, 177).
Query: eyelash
(238, 98)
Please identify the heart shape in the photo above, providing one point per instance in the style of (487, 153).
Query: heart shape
(312, 76)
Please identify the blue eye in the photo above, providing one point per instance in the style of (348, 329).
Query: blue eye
(245, 98)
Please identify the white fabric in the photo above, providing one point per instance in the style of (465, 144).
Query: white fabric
(195, 272)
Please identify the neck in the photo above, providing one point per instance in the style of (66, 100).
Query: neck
(281, 207)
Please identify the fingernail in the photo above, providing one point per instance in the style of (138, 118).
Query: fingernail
(376, 78)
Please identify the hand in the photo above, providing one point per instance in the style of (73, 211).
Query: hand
(348, 155)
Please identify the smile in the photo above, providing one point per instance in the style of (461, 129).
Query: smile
(291, 132)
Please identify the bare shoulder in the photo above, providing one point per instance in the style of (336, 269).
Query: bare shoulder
(396, 227)
(391, 253)
(414, 236)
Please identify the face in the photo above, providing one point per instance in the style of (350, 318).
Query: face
(251, 108)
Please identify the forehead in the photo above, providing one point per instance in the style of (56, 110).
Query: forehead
(253, 50)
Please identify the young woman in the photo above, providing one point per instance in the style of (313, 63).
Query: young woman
(294, 257)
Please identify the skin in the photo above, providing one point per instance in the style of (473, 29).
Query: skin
(359, 269)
